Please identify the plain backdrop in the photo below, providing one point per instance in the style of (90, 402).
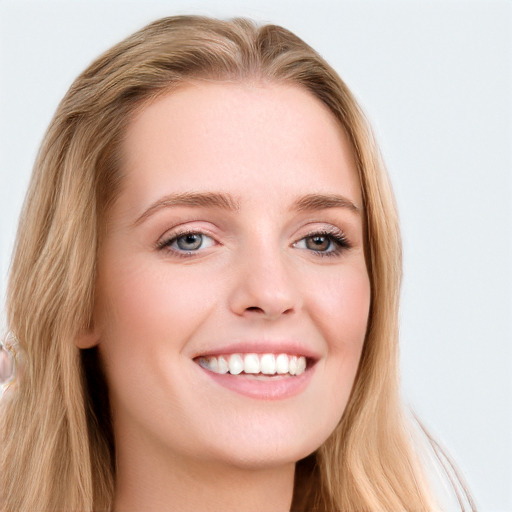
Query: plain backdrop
(436, 81)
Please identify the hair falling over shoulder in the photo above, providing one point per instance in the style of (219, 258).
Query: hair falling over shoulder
(57, 446)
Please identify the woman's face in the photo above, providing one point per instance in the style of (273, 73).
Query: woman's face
(236, 242)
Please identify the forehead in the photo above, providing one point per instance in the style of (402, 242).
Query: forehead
(240, 137)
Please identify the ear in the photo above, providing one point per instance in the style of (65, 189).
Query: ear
(87, 338)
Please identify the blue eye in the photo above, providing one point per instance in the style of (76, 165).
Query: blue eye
(187, 242)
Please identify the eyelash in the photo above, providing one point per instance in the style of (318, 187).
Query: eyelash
(166, 243)
(335, 236)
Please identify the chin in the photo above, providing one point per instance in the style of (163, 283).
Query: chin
(268, 442)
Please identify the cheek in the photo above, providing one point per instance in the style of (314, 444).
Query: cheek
(338, 306)
(153, 302)
(341, 314)
(341, 306)
(147, 314)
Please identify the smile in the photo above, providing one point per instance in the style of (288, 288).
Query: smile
(254, 364)
(260, 369)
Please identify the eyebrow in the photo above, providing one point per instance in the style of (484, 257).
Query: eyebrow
(191, 199)
(323, 201)
(223, 201)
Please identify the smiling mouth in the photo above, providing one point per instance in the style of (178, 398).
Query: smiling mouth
(266, 365)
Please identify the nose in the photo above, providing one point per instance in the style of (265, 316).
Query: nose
(263, 287)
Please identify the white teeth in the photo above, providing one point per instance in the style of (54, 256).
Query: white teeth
(251, 363)
(266, 364)
(292, 365)
(236, 364)
(282, 364)
(223, 365)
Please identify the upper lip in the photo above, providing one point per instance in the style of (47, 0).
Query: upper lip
(260, 347)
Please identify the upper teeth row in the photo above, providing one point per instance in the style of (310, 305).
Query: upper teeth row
(268, 364)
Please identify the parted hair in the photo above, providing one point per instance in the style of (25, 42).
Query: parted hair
(57, 445)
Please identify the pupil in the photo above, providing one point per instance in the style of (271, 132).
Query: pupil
(189, 242)
(319, 243)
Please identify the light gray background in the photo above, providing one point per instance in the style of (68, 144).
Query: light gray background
(436, 81)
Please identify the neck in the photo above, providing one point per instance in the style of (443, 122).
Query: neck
(175, 483)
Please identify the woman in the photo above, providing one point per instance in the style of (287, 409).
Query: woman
(205, 289)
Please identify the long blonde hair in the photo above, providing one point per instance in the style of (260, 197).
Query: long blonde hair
(58, 451)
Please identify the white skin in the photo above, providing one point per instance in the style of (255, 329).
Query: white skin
(184, 442)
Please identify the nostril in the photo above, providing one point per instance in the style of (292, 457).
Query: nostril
(262, 311)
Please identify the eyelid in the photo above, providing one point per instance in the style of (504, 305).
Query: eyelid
(170, 236)
(335, 234)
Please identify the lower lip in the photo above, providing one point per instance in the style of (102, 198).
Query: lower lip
(272, 388)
